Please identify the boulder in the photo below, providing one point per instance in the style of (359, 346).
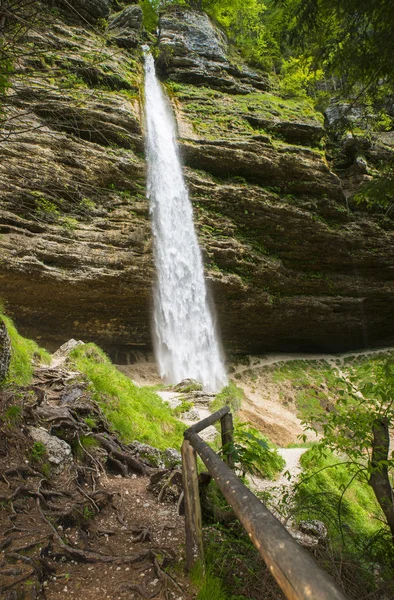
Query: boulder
(147, 454)
(59, 453)
(5, 350)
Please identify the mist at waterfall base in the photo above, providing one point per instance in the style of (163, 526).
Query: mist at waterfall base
(185, 336)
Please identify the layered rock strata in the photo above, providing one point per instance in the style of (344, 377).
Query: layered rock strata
(290, 266)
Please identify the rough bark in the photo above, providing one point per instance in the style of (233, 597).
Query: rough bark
(379, 480)
(5, 350)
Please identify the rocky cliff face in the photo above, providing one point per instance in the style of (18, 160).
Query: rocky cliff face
(289, 266)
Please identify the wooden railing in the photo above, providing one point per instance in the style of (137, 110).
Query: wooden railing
(294, 569)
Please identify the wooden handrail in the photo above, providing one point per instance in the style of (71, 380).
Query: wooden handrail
(294, 569)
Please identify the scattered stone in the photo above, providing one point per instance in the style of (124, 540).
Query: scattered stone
(59, 453)
(313, 528)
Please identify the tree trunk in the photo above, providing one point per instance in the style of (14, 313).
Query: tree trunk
(3, 7)
(5, 350)
(379, 480)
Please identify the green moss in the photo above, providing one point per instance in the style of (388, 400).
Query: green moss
(24, 354)
(217, 115)
(135, 412)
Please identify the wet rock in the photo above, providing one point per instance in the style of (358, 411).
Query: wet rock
(72, 393)
(125, 26)
(342, 113)
(5, 350)
(59, 453)
(290, 267)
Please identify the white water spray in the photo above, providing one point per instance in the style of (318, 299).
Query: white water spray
(185, 337)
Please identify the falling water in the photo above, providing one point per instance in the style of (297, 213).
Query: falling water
(185, 337)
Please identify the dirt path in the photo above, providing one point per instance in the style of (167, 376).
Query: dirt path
(292, 456)
(272, 359)
(137, 510)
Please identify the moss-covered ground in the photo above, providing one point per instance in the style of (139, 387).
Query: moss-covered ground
(25, 354)
(136, 413)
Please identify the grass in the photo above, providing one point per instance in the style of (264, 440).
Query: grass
(24, 354)
(136, 413)
(231, 396)
(210, 587)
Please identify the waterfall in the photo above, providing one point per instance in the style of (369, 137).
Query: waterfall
(184, 332)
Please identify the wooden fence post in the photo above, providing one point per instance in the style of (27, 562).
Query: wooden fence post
(193, 519)
(226, 423)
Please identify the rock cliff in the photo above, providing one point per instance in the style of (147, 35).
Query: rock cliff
(290, 266)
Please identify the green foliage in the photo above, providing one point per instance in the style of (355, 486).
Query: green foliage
(253, 453)
(351, 39)
(91, 422)
(6, 68)
(24, 353)
(209, 586)
(331, 492)
(150, 10)
(13, 415)
(38, 451)
(87, 513)
(88, 442)
(231, 396)
(378, 194)
(183, 407)
(298, 79)
(232, 558)
(366, 395)
(46, 209)
(135, 412)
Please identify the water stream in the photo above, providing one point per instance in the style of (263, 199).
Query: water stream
(185, 337)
